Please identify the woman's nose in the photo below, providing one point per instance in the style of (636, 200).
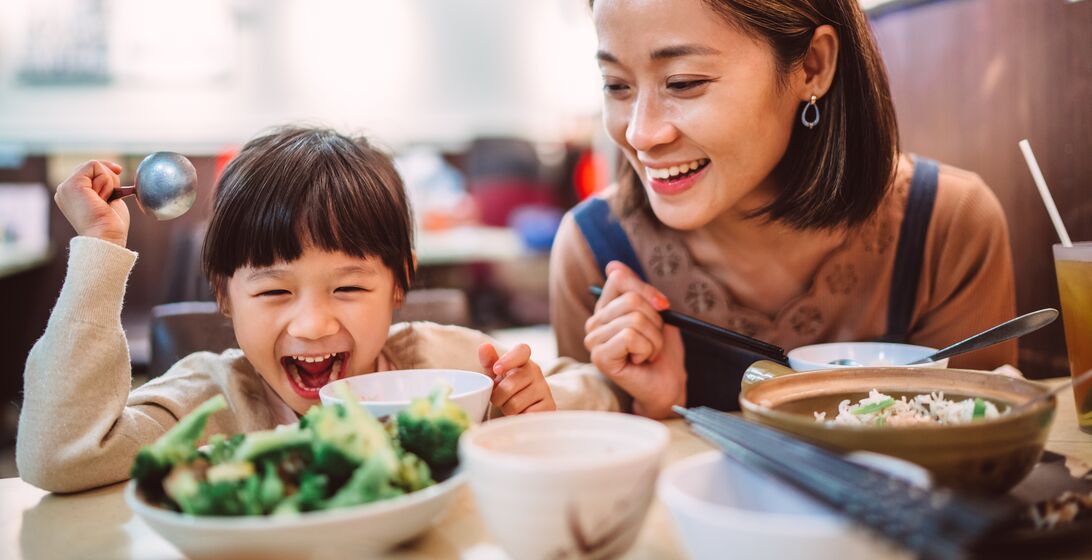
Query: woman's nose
(312, 321)
(647, 126)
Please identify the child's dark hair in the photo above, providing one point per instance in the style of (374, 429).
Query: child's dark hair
(295, 187)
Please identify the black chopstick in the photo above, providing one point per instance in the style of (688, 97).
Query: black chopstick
(934, 523)
(716, 334)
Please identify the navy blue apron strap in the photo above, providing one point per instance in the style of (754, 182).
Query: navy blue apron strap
(910, 253)
(605, 236)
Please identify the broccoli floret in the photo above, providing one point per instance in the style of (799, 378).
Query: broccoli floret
(178, 445)
(220, 448)
(370, 482)
(310, 495)
(282, 440)
(430, 427)
(345, 436)
(413, 473)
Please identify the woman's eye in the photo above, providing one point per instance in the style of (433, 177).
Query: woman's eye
(615, 89)
(686, 85)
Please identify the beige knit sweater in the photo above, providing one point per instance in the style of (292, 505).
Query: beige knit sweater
(82, 423)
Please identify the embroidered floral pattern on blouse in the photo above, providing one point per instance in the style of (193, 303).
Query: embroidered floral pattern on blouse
(806, 320)
(743, 325)
(699, 297)
(877, 236)
(842, 278)
(665, 259)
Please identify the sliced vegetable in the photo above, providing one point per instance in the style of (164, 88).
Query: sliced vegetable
(874, 407)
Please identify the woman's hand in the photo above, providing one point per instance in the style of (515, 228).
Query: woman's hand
(630, 344)
(82, 200)
(518, 383)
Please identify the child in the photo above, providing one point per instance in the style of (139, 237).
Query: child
(309, 251)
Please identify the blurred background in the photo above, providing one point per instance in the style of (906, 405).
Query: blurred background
(492, 108)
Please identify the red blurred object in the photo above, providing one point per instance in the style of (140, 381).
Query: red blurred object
(222, 160)
(589, 174)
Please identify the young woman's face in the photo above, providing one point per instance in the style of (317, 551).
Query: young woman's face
(695, 105)
(304, 323)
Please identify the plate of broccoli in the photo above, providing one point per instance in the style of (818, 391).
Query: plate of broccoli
(338, 481)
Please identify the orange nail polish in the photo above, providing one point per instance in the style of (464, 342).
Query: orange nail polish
(660, 302)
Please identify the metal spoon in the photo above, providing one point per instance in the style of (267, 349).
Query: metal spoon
(1012, 328)
(1047, 395)
(165, 185)
(1024, 324)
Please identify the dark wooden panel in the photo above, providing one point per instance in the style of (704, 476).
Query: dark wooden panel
(973, 77)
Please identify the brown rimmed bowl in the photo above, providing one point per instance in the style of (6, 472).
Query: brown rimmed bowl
(984, 457)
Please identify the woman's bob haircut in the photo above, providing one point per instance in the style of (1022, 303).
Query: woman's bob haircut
(837, 173)
(296, 187)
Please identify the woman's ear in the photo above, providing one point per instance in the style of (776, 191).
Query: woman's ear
(819, 64)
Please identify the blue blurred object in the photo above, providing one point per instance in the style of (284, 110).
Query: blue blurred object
(536, 225)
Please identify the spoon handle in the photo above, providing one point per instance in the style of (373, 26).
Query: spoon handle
(121, 192)
(1012, 328)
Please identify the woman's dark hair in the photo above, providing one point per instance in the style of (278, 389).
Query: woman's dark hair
(838, 172)
(296, 187)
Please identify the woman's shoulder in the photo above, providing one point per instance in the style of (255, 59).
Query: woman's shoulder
(965, 203)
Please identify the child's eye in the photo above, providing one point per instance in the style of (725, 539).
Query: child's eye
(351, 289)
(269, 293)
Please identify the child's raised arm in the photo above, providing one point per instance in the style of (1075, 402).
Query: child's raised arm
(82, 199)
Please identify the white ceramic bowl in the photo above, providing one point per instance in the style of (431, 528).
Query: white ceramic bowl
(724, 510)
(338, 533)
(386, 392)
(564, 484)
(887, 354)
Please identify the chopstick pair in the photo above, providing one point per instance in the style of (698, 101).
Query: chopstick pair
(934, 523)
(715, 334)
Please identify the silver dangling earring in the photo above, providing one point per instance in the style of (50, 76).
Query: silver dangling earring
(804, 114)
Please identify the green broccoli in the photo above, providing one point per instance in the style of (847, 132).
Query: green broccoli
(220, 448)
(430, 427)
(282, 440)
(345, 436)
(178, 445)
(370, 482)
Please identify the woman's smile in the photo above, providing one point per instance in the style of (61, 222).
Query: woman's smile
(676, 179)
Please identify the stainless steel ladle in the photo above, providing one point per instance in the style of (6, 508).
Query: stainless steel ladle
(165, 185)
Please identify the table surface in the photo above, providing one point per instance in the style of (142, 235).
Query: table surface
(98, 524)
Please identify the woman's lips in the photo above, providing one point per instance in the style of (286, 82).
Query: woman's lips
(669, 187)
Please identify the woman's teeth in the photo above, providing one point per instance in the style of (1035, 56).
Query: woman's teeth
(675, 170)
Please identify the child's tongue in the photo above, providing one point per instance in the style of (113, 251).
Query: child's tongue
(315, 373)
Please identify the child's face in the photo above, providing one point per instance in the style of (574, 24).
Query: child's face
(302, 324)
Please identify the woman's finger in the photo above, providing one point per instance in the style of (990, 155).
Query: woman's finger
(650, 331)
(620, 307)
(622, 279)
(614, 355)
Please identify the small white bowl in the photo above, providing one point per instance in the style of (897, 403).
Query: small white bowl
(869, 354)
(564, 484)
(356, 531)
(719, 505)
(385, 393)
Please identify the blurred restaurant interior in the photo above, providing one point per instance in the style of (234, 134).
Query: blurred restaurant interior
(492, 108)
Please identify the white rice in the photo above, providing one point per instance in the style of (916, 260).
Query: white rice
(922, 409)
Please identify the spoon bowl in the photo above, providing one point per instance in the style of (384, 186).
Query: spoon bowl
(165, 185)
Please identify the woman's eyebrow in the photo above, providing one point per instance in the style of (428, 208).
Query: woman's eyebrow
(664, 53)
(683, 50)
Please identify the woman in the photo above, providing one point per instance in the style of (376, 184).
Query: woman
(763, 190)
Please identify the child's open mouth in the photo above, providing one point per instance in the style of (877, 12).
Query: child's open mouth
(308, 373)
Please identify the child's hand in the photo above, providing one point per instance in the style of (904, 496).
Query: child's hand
(82, 200)
(518, 383)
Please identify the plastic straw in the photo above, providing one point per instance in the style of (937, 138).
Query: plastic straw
(1044, 192)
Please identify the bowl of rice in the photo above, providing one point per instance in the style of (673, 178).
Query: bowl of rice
(961, 425)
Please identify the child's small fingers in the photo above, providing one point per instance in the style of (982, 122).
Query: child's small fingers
(111, 165)
(487, 357)
(544, 405)
(509, 384)
(521, 401)
(513, 358)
